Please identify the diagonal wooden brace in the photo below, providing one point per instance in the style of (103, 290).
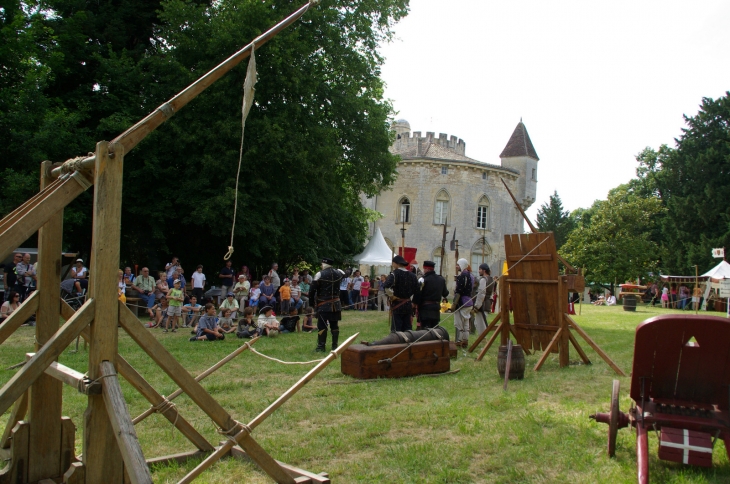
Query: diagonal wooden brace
(485, 332)
(593, 345)
(134, 462)
(549, 348)
(37, 365)
(19, 316)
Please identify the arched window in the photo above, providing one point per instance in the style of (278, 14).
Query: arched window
(441, 208)
(404, 210)
(436, 258)
(483, 213)
(481, 252)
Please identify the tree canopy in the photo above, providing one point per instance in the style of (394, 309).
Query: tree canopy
(316, 137)
(552, 218)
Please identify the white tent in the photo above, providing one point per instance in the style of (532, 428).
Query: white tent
(720, 271)
(377, 252)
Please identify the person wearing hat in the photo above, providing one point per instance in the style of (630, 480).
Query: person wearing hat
(403, 284)
(483, 302)
(78, 271)
(241, 290)
(230, 303)
(324, 295)
(463, 303)
(428, 297)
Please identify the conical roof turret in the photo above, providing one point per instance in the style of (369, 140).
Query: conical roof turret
(519, 144)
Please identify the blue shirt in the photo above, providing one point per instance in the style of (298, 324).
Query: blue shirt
(170, 281)
(206, 322)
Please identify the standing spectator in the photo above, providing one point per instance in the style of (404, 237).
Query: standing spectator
(230, 303)
(12, 303)
(175, 297)
(177, 277)
(665, 296)
(254, 294)
(11, 277)
(26, 276)
(285, 294)
(208, 329)
(267, 294)
(226, 277)
(673, 295)
(172, 267)
(245, 272)
(274, 276)
(463, 303)
(364, 293)
(355, 284)
(145, 285)
(683, 296)
(696, 297)
(121, 287)
(344, 292)
(304, 287)
(382, 298)
(79, 271)
(296, 301)
(306, 276)
(128, 276)
(198, 283)
(295, 274)
(161, 287)
(241, 290)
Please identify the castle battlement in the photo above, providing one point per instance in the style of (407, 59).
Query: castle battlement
(405, 141)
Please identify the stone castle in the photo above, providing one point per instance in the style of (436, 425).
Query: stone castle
(437, 183)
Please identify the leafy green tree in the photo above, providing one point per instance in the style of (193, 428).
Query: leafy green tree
(552, 218)
(614, 243)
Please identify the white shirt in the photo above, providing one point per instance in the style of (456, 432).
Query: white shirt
(611, 301)
(356, 282)
(198, 280)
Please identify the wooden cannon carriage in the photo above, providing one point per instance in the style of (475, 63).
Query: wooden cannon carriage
(680, 385)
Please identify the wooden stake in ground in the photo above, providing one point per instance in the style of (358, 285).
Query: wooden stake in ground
(508, 363)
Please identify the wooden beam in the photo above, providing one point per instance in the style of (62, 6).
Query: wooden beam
(180, 458)
(549, 348)
(170, 413)
(484, 333)
(76, 474)
(16, 319)
(73, 378)
(490, 342)
(24, 378)
(37, 215)
(13, 216)
(101, 455)
(531, 281)
(530, 258)
(134, 461)
(593, 345)
(295, 472)
(577, 347)
(16, 415)
(198, 378)
(537, 327)
(46, 393)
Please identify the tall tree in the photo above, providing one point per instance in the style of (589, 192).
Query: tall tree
(552, 218)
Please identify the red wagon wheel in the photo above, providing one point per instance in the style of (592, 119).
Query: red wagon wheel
(613, 424)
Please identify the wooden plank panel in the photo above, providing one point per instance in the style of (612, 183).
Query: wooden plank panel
(101, 456)
(516, 293)
(19, 316)
(19, 457)
(68, 443)
(16, 415)
(530, 258)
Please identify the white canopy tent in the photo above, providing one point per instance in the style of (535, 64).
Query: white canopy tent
(376, 252)
(719, 272)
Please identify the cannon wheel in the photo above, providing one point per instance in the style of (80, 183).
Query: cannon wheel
(613, 424)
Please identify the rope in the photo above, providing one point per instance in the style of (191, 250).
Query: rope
(164, 406)
(233, 431)
(248, 92)
(285, 362)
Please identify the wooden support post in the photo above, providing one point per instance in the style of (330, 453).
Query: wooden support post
(593, 345)
(73, 378)
(577, 347)
(19, 316)
(24, 378)
(484, 333)
(16, 415)
(170, 413)
(18, 466)
(198, 378)
(101, 455)
(497, 332)
(563, 344)
(135, 464)
(46, 393)
(68, 443)
(549, 349)
(504, 294)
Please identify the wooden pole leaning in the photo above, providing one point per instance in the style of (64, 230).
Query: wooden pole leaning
(198, 378)
(563, 344)
(135, 464)
(484, 333)
(46, 393)
(244, 434)
(593, 345)
(101, 455)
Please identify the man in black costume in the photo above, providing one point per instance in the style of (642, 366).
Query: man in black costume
(324, 295)
(428, 298)
(401, 285)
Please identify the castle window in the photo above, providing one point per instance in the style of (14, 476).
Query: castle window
(534, 174)
(404, 208)
(483, 214)
(436, 258)
(444, 170)
(484, 175)
(481, 253)
(441, 208)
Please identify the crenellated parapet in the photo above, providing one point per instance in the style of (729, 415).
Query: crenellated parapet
(408, 142)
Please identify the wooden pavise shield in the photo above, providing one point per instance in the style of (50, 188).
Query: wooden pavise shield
(38, 442)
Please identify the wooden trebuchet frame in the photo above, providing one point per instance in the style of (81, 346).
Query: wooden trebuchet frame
(38, 440)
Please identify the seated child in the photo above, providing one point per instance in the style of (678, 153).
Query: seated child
(308, 325)
(445, 306)
(267, 322)
(160, 311)
(254, 294)
(290, 324)
(225, 322)
(246, 326)
(208, 329)
(191, 312)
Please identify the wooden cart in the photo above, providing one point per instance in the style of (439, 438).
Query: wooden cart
(680, 387)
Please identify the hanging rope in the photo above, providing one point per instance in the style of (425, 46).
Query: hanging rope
(248, 92)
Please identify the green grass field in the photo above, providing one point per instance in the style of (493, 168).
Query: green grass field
(449, 429)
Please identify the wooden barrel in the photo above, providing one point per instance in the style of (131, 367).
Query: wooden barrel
(629, 302)
(517, 366)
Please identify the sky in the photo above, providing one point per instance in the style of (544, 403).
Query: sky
(594, 82)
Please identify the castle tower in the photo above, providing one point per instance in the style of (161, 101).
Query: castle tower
(520, 155)
(401, 127)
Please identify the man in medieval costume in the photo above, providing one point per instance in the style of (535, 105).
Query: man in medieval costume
(401, 285)
(463, 303)
(428, 297)
(324, 295)
(483, 302)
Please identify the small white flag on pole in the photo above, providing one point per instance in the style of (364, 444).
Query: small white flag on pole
(718, 253)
